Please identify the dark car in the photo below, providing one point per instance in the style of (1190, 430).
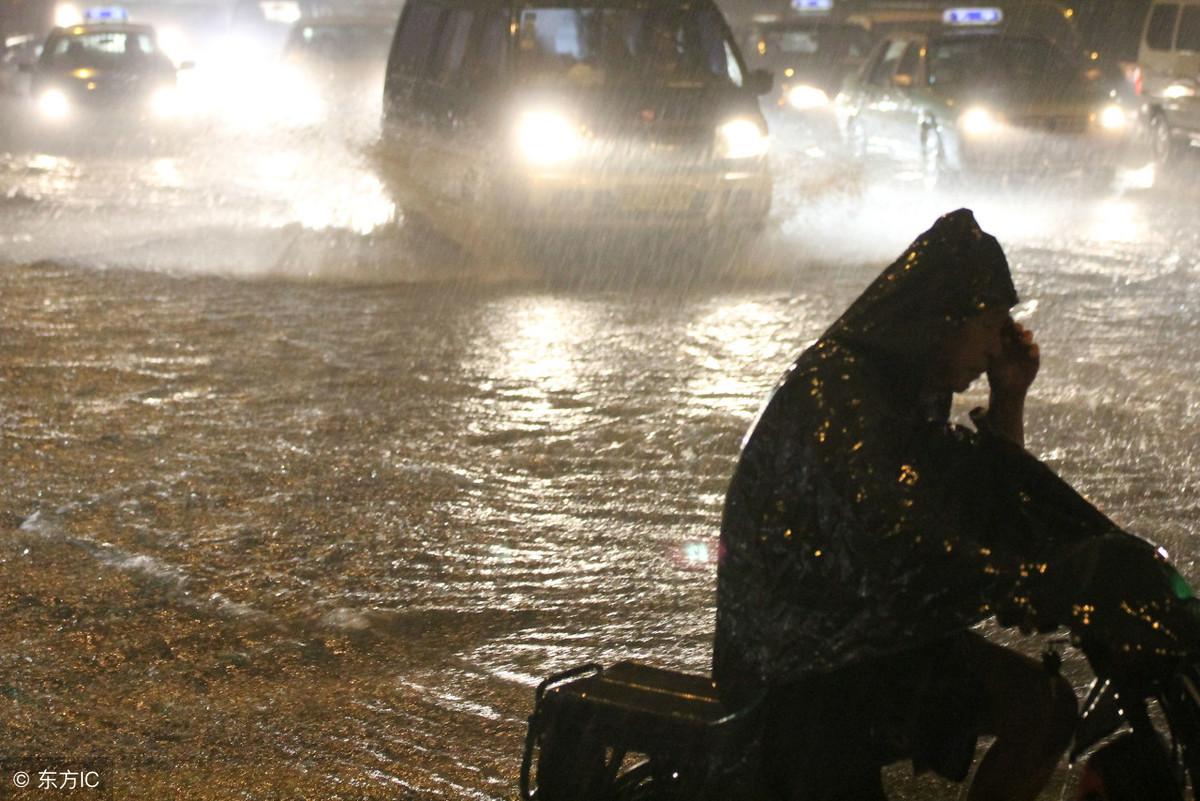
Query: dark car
(1168, 78)
(810, 57)
(331, 44)
(339, 61)
(979, 99)
(113, 70)
(569, 114)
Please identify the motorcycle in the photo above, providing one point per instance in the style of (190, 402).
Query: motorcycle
(635, 732)
(1133, 760)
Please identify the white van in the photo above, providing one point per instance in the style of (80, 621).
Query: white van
(1168, 77)
(562, 116)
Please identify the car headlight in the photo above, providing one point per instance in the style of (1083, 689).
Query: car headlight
(978, 121)
(1113, 118)
(53, 104)
(741, 139)
(807, 97)
(547, 137)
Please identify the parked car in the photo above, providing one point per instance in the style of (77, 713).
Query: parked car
(1168, 77)
(567, 115)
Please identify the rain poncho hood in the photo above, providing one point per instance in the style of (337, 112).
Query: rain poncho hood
(951, 272)
(859, 521)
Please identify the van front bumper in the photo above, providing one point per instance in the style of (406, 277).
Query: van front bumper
(556, 200)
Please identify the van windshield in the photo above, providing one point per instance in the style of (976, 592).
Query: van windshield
(579, 46)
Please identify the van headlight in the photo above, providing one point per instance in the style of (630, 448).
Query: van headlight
(978, 122)
(805, 97)
(1112, 117)
(547, 137)
(53, 104)
(741, 139)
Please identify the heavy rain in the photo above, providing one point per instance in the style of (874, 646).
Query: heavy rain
(322, 445)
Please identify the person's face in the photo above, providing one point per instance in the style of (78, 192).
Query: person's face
(965, 354)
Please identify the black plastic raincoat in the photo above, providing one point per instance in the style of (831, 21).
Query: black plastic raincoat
(860, 522)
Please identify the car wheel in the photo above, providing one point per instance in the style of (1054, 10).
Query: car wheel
(933, 159)
(1165, 148)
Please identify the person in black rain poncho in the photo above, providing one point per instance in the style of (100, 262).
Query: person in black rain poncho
(864, 534)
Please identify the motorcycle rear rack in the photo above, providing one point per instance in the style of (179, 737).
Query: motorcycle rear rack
(675, 720)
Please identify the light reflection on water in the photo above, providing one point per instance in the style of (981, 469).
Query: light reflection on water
(727, 345)
(540, 343)
(1117, 220)
(165, 173)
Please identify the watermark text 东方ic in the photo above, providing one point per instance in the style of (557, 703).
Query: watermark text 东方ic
(42, 778)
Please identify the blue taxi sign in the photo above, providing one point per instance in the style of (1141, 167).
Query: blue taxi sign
(812, 5)
(106, 14)
(972, 16)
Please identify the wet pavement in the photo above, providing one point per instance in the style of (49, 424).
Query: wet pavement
(297, 506)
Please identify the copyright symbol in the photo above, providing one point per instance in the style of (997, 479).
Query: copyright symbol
(21, 779)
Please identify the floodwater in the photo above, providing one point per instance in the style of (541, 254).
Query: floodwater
(294, 507)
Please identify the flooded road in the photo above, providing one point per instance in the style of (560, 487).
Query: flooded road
(292, 509)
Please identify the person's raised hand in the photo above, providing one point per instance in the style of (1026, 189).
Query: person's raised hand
(1011, 372)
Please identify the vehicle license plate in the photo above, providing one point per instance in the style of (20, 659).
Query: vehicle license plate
(657, 198)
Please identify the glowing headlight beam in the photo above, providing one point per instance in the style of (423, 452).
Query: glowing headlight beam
(66, 15)
(174, 43)
(53, 104)
(165, 102)
(546, 137)
(741, 139)
(1113, 118)
(807, 97)
(978, 121)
